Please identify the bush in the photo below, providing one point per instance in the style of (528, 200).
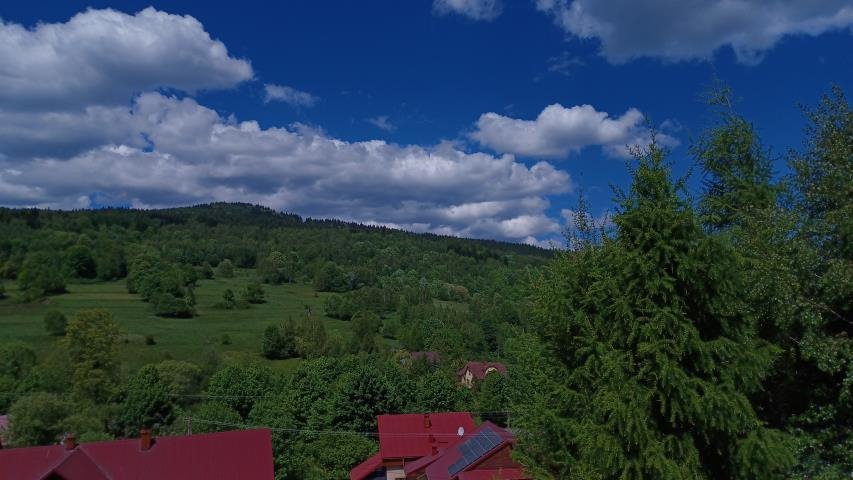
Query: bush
(229, 301)
(254, 292)
(80, 262)
(55, 323)
(278, 342)
(225, 339)
(149, 340)
(167, 305)
(41, 274)
(225, 269)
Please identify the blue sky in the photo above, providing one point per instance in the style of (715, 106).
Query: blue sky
(415, 114)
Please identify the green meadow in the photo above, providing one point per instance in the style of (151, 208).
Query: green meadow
(178, 338)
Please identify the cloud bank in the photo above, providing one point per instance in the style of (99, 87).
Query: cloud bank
(676, 30)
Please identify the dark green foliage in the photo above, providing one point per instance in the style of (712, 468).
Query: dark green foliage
(229, 301)
(16, 359)
(365, 330)
(41, 274)
(253, 293)
(330, 278)
(241, 387)
(167, 305)
(225, 269)
(279, 341)
(55, 323)
(654, 350)
(277, 268)
(361, 395)
(80, 262)
(149, 340)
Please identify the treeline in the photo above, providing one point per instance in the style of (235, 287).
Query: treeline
(79, 387)
(708, 337)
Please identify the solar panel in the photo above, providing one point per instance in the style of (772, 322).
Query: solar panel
(474, 448)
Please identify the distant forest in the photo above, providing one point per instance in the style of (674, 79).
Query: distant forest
(701, 335)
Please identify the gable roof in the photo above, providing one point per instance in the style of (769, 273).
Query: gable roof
(365, 468)
(481, 369)
(240, 454)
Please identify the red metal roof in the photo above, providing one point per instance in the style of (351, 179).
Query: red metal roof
(480, 369)
(365, 468)
(436, 467)
(241, 454)
(416, 435)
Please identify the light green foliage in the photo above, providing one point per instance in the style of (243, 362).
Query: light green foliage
(38, 419)
(241, 387)
(147, 402)
(277, 268)
(92, 341)
(214, 416)
(55, 323)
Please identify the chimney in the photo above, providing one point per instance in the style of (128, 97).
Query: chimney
(427, 421)
(145, 440)
(69, 441)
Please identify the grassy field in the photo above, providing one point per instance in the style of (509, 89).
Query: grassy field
(181, 339)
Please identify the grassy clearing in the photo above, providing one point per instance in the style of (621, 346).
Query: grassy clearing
(182, 339)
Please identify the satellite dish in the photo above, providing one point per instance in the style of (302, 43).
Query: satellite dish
(460, 431)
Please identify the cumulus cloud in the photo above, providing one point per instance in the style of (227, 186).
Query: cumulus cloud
(170, 151)
(558, 131)
(103, 57)
(381, 122)
(475, 9)
(289, 95)
(677, 30)
(85, 120)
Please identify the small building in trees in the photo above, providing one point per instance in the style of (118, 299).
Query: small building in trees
(243, 454)
(474, 372)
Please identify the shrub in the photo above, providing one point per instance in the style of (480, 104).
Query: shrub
(167, 305)
(149, 340)
(254, 292)
(55, 323)
(225, 269)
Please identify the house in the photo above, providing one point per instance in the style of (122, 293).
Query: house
(240, 454)
(482, 454)
(476, 371)
(409, 437)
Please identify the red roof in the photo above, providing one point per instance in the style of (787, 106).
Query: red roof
(241, 454)
(480, 369)
(416, 435)
(490, 465)
(365, 468)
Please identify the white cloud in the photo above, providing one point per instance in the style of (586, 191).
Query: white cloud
(103, 57)
(167, 151)
(289, 95)
(381, 122)
(475, 9)
(558, 131)
(677, 30)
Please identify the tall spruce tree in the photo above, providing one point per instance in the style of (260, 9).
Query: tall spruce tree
(651, 351)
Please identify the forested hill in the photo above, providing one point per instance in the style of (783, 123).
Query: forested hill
(243, 234)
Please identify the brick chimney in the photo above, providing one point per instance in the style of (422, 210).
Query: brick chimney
(427, 421)
(145, 440)
(69, 441)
